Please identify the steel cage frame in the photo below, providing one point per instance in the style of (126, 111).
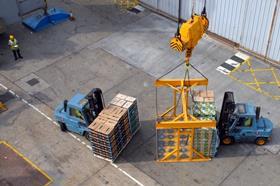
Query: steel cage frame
(170, 119)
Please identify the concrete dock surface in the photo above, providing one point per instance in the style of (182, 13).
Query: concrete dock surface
(120, 52)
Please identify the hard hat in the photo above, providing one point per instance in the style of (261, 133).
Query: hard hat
(11, 37)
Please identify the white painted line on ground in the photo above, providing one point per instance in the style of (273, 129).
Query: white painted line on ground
(55, 123)
(89, 147)
(23, 100)
(4, 87)
(72, 135)
(12, 92)
(128, 175)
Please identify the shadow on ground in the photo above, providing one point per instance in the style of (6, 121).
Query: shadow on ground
(142, 148)
(93, 23)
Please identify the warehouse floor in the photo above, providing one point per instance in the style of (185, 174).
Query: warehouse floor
(119, 51)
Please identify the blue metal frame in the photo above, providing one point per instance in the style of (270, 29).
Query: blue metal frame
(41, 21)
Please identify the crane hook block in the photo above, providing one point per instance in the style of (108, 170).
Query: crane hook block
(190, 33)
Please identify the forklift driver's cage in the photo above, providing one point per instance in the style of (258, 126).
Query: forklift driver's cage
(176, 132)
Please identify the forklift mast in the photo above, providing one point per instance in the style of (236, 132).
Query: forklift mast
(227, 110)
(96, 103)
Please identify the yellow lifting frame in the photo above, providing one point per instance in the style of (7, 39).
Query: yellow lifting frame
(170, 119)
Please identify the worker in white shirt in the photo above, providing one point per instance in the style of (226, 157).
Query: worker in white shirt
(14, 47)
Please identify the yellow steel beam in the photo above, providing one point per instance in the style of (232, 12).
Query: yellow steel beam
(178, 82)
(3, 107)
(190, 144)
(169, 154)
(192, 117)
(167, 111)
(178, 117)
(175, 103)
(176, 89)
(184, 98)
(199, 154)
(178, 144)
(190, 87)
(184, 160)
(185, 124)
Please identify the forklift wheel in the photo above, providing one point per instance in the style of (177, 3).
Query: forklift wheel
(63, 127)
(260, 141)
(87, 136)
(227, 140)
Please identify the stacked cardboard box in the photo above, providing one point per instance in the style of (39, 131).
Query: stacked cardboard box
(206, 140)
(110, 132)
(204, 105)
(130, 104)
(114, 127)
(167, 141)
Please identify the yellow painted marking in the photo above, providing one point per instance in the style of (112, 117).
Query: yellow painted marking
(28, 161)
(256, 83)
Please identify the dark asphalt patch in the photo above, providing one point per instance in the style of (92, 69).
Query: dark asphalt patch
(17, 170)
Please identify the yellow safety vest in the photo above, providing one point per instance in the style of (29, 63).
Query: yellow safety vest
(13, 44)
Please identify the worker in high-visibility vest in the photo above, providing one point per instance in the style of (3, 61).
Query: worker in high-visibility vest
(14, 47)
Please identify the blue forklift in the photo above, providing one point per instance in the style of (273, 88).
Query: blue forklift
(241, 122)
(79, 112)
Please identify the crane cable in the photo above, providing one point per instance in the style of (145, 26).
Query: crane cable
(193, 6)
(203, 13)
(177, 34)
(187, 73)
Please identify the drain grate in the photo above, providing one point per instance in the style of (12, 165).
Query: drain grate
(32, 82)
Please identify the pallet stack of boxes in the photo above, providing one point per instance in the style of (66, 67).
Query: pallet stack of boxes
(111, 131)
(167, 140)
(206, 140)
(130, 104)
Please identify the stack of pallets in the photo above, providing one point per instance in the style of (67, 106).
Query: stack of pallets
(167, 141)
(114, 127)
(206, 140)
(110, 132)
(130, 104)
